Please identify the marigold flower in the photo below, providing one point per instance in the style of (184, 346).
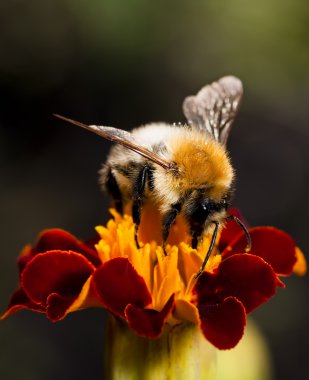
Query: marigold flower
(152, 292)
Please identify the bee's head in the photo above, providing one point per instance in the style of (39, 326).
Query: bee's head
(201, 210)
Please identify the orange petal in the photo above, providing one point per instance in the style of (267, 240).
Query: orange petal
(166, 278)
(300, 267)
(86, 298)
(189, 262)
(186, 311)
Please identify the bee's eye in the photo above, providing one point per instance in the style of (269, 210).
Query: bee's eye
(200, 212)
(205, 205)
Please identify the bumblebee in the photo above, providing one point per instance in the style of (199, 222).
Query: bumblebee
(181, 169)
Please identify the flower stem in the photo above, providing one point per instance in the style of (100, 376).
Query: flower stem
(181, 352)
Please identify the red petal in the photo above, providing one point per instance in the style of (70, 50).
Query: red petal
(246, 277)
(21, 301)
(58, 272)
(57, 239)
(231, 229)
(223, 324)
(118, 284)
(148, 322)
(57, 306)
(273, 245)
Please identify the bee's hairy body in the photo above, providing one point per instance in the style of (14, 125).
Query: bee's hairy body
(181, 169)
(199, 190)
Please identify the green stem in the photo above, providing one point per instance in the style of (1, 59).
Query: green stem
(181, 353)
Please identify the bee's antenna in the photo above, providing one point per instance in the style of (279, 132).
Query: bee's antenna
(243, 227)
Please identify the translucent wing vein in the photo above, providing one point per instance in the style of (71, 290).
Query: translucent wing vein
(215, 107)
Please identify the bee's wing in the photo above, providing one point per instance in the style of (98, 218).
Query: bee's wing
(215, 107)
(123, 138)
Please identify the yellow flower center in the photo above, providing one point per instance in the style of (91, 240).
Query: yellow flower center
(163, 275)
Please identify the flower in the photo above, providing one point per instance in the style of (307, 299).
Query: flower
(152, 292)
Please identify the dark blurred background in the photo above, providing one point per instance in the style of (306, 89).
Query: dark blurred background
(125, 63)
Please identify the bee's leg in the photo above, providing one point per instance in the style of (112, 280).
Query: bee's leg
(243, 227)
(196, 230)
(212, 243)
(196, 237)
(113, 189)
(138, 194)
(168, 220)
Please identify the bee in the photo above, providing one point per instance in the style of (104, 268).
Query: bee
(181, 169)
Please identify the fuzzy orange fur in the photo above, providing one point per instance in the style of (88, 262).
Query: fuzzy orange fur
(201, 162)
